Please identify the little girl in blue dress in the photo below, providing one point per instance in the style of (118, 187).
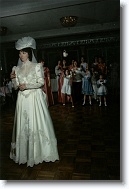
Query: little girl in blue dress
(87, 88)
(102, 89)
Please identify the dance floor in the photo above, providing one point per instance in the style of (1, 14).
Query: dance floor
(88, 144)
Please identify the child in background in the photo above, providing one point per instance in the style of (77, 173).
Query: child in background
(102, 90)
(94, 78)
(87, 88)
(66, 87)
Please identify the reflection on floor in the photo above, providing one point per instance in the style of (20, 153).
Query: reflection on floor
(88, 143)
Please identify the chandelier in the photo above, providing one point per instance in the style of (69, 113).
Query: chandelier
(69, 21)
(3, 30)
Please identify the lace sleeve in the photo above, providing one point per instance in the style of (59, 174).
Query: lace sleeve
(15, 82)
(39, 82)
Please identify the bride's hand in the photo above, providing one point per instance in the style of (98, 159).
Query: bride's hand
(22, 87)
(12, 75)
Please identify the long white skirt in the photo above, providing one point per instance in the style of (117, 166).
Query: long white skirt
(33, 138)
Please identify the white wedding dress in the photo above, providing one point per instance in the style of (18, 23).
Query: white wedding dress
(33, 138)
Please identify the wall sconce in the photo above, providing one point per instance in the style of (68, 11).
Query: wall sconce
(3, 31)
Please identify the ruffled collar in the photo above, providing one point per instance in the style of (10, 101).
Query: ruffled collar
(24, 64)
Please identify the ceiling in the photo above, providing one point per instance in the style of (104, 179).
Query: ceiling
(41, 18)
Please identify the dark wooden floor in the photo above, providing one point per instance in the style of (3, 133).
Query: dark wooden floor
(88, 144)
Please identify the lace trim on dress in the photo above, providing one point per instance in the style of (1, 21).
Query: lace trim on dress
(30, 135)
(23, 158)
(32, 140)
(38, 160)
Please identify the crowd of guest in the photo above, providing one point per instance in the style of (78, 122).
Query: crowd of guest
(6, 90)
(77, 83)
(83, 82)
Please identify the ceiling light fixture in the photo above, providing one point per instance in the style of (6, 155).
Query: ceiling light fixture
(69, 21)
(3, 30)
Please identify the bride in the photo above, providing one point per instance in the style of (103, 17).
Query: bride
(33, 137)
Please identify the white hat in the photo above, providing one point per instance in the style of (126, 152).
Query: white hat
(25, 42)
